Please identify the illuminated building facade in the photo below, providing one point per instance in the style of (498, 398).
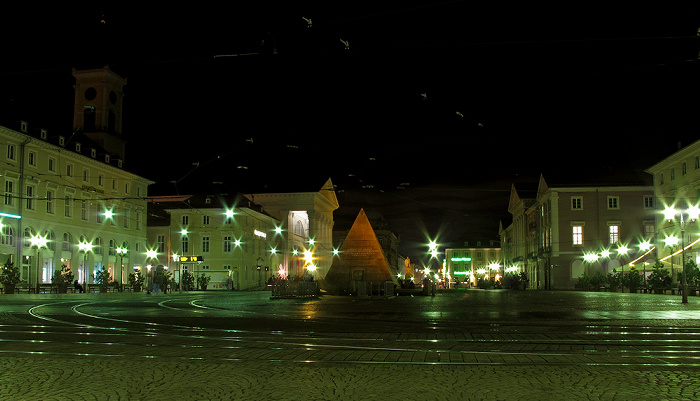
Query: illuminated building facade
(482, 259)
(677, 187)
(563, 232)
(307, 220)
(73, 191)
(237, 244)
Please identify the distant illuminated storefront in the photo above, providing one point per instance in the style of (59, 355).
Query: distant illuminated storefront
(467, 265)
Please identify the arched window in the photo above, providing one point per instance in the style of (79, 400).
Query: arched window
(28, 234)
(299, 228)
(50, 240)
(97, 246)
(7, 235)
(67, 242)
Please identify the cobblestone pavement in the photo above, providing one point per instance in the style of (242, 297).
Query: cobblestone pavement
(462, 345)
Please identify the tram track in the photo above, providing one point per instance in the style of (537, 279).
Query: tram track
(78, 328)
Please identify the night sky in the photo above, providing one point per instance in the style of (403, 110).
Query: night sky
(427, 117)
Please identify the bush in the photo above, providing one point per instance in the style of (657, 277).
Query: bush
(102, 277)
(203, 281)
(187, 281)
(63, 276)
(9, 274)
(633, 279)
(659, 277)
(511, 281)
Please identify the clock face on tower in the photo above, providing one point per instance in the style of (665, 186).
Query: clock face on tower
(90, 93)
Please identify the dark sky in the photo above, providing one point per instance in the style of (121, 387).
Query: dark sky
(511, 92)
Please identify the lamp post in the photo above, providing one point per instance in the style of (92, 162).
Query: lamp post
(85, 247)
(692, 212)
(150, 255)
(37, 242)
(121, 251)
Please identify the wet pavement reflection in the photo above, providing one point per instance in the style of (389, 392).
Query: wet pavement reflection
(458, 328)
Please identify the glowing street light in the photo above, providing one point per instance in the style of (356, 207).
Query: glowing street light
(85, 247)
(38, 242)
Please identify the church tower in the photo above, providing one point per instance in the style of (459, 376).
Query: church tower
(98, 108)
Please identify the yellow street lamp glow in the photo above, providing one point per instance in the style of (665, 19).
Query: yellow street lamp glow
(335, 252)
(432, 245)
(183, 232)
(151, 254)
(622, 250)
(273, 251)
(311, 267)
(605, 253)
(237, 242)
(109, 213)
(494, 266)
(481, 271)
(278, 230)
(308, 256)
(229, 213)
(645, 246)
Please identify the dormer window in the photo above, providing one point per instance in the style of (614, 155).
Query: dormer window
(61, 140)
(77, 147)
(23, 126)
(93, 153)
(43, 134)
(107, 159)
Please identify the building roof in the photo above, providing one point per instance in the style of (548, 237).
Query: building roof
(159, 205)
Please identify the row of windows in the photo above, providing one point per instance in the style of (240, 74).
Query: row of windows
(613, 202)
(684, 170)
(613, 233)
(69, 171)
(68, 206)
(258, 247)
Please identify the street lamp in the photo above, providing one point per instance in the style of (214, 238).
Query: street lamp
(37, 242)
(85, 247)
(121, 251)
(670, 213)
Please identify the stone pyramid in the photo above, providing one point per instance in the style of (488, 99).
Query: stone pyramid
(360, 259)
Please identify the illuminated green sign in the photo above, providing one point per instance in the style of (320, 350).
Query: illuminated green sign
(463, 259)
(465, 273)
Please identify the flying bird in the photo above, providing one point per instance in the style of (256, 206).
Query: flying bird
(308, 21)
(346, 43)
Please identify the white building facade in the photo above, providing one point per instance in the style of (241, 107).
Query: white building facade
(677, 186)
(69, 189)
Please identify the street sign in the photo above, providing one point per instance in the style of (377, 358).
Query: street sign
(190, 259)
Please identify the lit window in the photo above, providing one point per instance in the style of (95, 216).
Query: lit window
(614, 234)
(577, 235)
